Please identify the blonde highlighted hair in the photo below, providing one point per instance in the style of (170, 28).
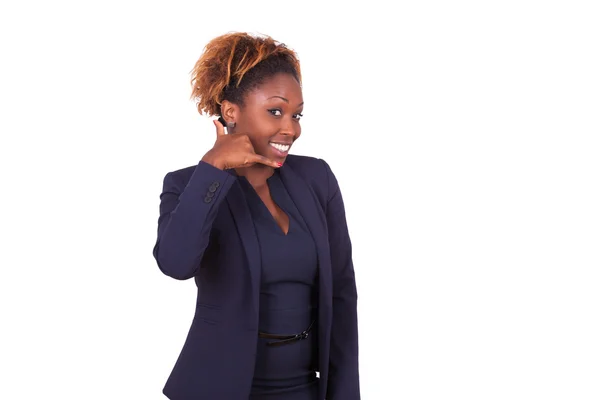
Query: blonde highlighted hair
(233, 64)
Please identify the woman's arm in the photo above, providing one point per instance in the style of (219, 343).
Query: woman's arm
(343, 383)
(186, 218)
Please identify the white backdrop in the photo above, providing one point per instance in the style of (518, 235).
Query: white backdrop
(464, 136)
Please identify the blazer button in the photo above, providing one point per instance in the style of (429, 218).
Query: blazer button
(210, 194)
(215, 184)
(207, 199)
(212, 189)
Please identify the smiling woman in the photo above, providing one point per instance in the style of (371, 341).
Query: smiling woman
(264, 235)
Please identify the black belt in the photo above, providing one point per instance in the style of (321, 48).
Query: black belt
(285, 339)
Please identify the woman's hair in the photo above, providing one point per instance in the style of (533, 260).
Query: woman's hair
(236, 63)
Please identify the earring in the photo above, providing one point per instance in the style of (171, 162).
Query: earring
(230, 125)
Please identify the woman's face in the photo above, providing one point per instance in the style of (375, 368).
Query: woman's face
(271, 116)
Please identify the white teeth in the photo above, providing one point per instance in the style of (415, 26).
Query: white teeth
(281, 147)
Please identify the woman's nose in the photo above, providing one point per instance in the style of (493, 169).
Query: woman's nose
(288, 127)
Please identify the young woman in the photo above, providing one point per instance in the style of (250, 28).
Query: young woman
(264, 235)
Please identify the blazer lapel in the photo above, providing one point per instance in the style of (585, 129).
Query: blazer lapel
(308, 205)
(243, 221)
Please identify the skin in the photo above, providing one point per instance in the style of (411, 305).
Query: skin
(271, 113)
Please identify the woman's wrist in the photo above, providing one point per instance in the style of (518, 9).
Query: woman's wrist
(214, 161)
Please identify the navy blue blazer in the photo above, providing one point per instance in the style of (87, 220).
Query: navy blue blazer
(205, 231)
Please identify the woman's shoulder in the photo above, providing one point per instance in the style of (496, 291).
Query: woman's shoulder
(309, 166)
(316, 172)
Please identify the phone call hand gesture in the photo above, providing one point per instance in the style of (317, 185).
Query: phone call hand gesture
(234, 151)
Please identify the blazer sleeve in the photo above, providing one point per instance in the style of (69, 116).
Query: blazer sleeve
(187, 212)
(343, 382)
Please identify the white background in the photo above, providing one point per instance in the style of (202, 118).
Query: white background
(465, 136)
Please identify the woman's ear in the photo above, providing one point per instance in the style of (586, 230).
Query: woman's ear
(229, 112)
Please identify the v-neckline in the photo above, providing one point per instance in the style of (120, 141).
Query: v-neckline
(264, 206)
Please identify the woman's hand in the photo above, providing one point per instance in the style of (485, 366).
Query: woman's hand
(234, 151)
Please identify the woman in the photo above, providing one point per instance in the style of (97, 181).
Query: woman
(264, 235)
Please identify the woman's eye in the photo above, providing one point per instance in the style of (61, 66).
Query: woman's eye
(277, 113)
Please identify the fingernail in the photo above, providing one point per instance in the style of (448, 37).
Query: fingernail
(279, 164)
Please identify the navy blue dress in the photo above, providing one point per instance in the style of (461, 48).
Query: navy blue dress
(288, 299)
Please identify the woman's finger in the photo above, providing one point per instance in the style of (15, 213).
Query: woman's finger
(264, 160)
(220, 128)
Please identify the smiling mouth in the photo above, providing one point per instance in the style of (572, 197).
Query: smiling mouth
(281, 147)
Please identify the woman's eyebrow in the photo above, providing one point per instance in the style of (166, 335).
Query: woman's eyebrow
(284, 99)
(279, 97)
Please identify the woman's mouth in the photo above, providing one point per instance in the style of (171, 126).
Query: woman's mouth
(281, 149)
